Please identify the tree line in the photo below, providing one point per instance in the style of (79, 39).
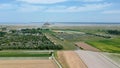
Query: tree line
(114, 32)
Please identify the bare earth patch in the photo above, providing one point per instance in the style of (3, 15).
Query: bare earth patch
(27, 64)
(71, 59)
(86, 46)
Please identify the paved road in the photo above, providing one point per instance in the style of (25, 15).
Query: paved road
(95, 60)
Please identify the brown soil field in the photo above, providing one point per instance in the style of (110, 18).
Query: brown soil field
(85, 46)
(70, 59)
(27, 64)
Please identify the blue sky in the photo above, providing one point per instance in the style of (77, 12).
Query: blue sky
(59, 11)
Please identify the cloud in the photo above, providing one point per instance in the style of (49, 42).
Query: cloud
(111, 12)
(84, 8)
(54, 1)
(60, 8)
(26, 7)
(7, 6)
(30, 8)
(42, 1)
(21, 8)
(92, 0)
(89, 0)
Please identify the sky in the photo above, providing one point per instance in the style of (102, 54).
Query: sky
(27, 11)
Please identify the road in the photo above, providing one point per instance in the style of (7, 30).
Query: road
(95, 59)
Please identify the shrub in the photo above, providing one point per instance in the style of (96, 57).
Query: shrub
(0, 48)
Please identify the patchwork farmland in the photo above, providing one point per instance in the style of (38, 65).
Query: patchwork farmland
(62, 47)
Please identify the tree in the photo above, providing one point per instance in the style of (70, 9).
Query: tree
(0, 48)
(2, 34)
(115, 32)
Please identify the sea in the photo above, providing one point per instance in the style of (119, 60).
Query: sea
(65, 24)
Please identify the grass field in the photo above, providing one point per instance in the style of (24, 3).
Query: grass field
(24, 54)
(111, 45)
(69, 35)
(89, 29)
(66, 44)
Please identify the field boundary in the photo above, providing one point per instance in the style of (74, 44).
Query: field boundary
(59, 65)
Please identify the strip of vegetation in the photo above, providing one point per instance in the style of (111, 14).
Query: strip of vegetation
(99, 35)
(114, 32)
(23, 54)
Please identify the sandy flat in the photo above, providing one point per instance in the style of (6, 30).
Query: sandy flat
(86, 46)
(27, 64)
(95, 60)
(72, 59)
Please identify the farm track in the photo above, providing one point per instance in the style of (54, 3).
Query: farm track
(27, 64)
(95, 60)
(71, 59)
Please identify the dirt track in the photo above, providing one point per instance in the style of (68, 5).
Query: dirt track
(27, 64)
(95, 60)
(71, 59)
(86, 46)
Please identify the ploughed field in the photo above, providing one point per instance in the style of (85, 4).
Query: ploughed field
(27, 64)
(70, 59)
(85, 46)
(26, 59)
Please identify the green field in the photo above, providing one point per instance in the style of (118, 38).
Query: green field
(17, 53)
(106, 45)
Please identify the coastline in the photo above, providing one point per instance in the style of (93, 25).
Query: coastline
(61, 24)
